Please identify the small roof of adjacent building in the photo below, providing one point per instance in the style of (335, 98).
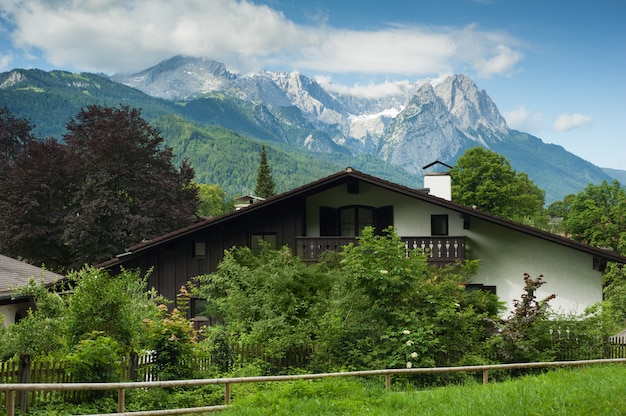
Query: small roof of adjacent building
(15, 273)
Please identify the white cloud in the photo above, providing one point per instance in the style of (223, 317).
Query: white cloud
(120, 36)
(567, 122)
(523, 120)
(5, 61)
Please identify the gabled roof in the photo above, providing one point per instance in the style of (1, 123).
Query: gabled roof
(15, 273)
(351, 174)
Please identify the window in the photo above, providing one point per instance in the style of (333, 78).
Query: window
(472, 287)
(354, 218)
(438, 225)
(198, 307)
(348, 221)
(199, 250)
(269, 238)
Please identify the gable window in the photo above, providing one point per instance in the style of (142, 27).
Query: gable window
(269, 238)
(438, 225)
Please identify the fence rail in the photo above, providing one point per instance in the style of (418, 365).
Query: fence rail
(12, 388)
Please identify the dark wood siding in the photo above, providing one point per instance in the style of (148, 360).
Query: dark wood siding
(173, 262)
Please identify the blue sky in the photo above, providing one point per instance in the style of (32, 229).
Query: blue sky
(554, 68)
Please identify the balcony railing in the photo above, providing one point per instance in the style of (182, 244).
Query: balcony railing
(438, 249)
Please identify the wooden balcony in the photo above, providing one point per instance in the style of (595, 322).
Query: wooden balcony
(440, 250)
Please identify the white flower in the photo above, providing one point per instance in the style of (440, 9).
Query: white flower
(406, 332)
(384, 272)
(409, 343)
(413, 355)
(409, 364)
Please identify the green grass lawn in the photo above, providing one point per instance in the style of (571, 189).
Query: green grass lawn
(590, 391)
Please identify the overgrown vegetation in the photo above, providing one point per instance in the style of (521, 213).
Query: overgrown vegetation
(374, 305)
(577, 392)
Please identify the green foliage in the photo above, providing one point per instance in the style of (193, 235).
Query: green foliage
(615, 292)
(212, 201)
(96, 359)
(269, 299)
(172, 337)
(353, 309)
(596, 390)
(265, 186)
(485, 179)
(113, 305)
(382, 294)
(596, 216)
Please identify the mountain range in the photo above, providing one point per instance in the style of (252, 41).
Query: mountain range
(391, 135)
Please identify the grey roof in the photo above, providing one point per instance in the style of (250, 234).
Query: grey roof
(15, 273)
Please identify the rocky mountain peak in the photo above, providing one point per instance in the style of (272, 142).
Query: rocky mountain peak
(178, 78)
(471, 106)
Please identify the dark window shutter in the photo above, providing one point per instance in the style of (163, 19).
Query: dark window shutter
(384, 218)
(329, 222)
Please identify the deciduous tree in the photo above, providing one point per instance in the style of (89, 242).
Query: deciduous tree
(485, 179)
(110, 184)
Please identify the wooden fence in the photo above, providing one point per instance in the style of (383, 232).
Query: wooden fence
(140, 368)
(11, 389)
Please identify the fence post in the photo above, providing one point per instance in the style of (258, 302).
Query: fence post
(387, 381)
(11, 403)
(485, 376)
(24, 377)
(133, 366)
(227, 393)
(120, 401)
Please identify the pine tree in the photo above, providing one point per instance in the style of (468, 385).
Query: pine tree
(264, 182)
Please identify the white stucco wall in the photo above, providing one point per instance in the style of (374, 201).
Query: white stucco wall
(411, 217)
(505, 255)
(8, 312)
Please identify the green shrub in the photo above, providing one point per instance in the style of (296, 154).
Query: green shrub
(96, 359)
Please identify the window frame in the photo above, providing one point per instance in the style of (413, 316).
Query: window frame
(439, 225)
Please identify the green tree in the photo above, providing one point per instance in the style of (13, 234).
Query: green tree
(264, 182)
(389, 307)
(597, 216)
(212, 200)
(270, 298)
(485, 179)
(113, 306)
(42, 331)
